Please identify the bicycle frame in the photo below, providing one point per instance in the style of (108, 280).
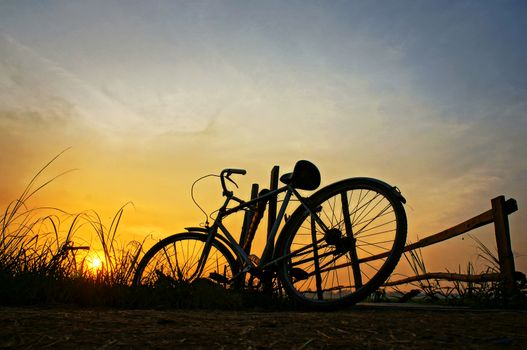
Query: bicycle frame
(267, 254)
(338, 246)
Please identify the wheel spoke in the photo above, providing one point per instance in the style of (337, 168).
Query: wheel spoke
(315, 255)
(358, 220)
(349, 233)
(177, 258)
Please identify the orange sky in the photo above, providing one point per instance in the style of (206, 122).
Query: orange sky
(150, 99)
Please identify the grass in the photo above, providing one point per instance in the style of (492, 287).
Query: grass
(466, 293)
(40, 262)
(43, 261)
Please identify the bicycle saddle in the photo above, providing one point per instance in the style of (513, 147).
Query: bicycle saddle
(305, 176)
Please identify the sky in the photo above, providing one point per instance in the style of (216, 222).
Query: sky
(430, 96)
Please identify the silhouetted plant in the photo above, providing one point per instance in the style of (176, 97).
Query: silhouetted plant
(41, 262)
(482, 293)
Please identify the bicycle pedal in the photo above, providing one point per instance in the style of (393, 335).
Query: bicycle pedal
(299, 274)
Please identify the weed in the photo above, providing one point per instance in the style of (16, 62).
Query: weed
(461, 287)
(42, 261)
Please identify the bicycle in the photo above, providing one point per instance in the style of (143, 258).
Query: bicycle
(338, 246)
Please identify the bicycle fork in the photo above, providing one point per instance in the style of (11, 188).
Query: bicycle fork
(205, 253)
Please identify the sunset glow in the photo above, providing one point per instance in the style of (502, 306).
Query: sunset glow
(429, 96)
(94, 263)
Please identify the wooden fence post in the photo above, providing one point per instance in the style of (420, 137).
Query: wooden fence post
(246, 222)
(271, 218)
(503, 241)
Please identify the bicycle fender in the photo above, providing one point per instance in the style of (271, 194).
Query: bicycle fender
(198, 229)
(394, 189)
(300, 210)
(389, 188)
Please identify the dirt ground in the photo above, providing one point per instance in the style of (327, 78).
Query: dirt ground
(363, 327)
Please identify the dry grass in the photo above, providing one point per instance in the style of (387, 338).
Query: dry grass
(484, 293)
(43, 260)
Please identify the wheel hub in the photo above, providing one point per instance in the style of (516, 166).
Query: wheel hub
(344, 244)
(333, 236)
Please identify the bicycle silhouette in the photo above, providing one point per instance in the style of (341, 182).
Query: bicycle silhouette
(338, 246)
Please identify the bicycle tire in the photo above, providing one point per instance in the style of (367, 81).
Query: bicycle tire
(174, 259)
(329, 270)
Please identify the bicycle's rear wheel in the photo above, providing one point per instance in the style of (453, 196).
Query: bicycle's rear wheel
(365, 236)
(175, 260)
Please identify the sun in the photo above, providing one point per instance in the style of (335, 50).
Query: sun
(94, 263)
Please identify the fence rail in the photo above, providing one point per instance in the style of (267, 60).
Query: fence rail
(486, 277)
(498, 215)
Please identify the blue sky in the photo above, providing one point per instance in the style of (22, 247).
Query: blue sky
(428, 95)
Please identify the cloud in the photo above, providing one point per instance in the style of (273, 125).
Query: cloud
(33, 86)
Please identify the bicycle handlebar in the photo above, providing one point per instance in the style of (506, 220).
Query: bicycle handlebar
(235, 171)
(225, 174)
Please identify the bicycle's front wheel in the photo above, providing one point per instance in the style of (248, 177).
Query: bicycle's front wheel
(175, 259)
(347, 247)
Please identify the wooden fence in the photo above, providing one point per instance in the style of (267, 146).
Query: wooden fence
(498, 214)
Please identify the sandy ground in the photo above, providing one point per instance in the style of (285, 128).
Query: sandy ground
(363, 327)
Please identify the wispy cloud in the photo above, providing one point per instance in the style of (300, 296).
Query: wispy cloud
(33, 84)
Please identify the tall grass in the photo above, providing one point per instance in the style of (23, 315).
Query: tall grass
(34, 242)
(39, 247)
(119, 260)
(482, 293)
(44, 259)
(24, 245)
